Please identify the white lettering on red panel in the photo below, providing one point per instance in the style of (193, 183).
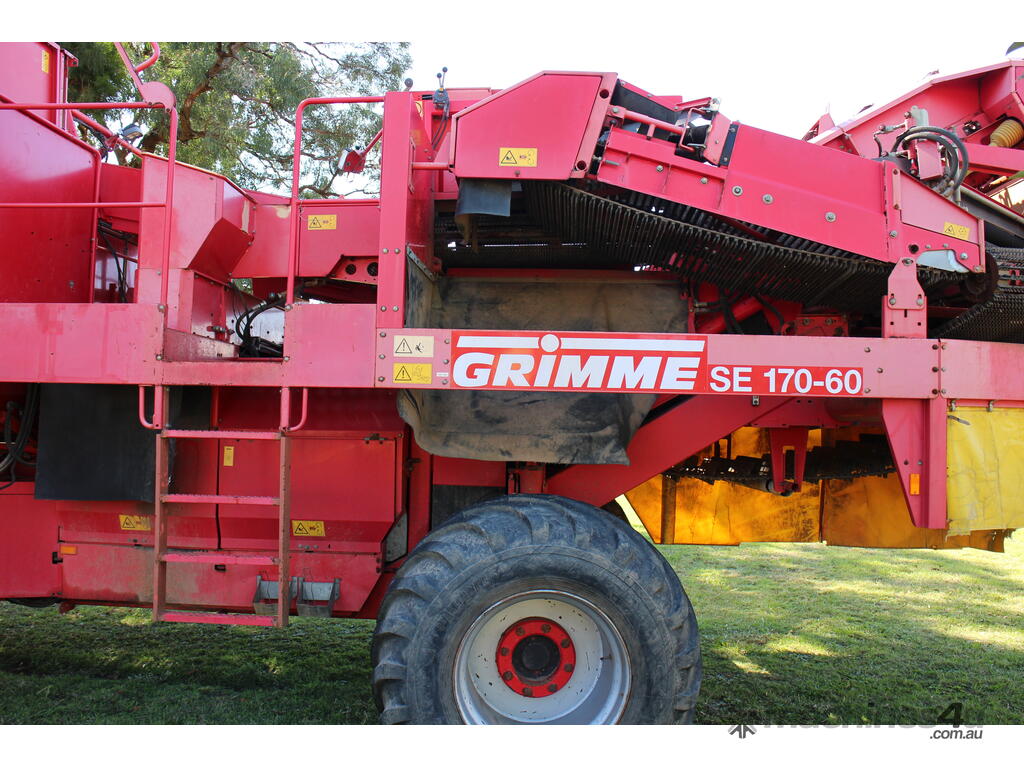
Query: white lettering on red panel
(626, 363)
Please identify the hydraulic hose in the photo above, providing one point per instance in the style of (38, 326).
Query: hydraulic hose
(16, 445)
(946, 139)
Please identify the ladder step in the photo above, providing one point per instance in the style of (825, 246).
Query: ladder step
(243, 619)
(225, 434)
(216, 498)
(218, 558)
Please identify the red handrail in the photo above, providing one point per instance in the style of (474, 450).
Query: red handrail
(99, 128)
(293, 229)
(134, 70)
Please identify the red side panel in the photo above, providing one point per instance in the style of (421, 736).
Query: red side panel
(47, 252)
(330, 233)
(36, 72)
(28, 540)
(533, 130)
(341, 483)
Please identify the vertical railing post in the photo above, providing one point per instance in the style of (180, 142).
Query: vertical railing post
(394, 209)
(165, 254)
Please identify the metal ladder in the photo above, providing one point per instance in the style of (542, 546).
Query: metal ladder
(286, 587)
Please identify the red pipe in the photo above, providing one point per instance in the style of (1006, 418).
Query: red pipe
(138, 204)
(83, 105)
(373, 142)
(133, 70)
(302, 414)
(158, 402)
(647, 120)
(741, 310)
(151, 60)
(84, 118)
(165, 255)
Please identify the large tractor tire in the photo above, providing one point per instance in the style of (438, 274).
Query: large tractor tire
(536, 609)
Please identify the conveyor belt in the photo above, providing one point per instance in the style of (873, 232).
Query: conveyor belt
(572, 227)
(1001, 316)
(630, 228)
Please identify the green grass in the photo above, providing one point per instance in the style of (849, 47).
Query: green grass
(792, 634)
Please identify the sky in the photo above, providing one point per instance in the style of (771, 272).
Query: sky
(776, 64)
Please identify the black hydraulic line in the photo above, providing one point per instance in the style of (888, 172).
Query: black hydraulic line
(122, 268)
(931, 133)
(772, 309)
(16, 445)
(250, 316)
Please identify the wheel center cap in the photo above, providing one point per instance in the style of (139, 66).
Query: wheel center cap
(535, 657)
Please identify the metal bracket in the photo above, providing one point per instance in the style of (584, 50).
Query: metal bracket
(317, 598)
(264, 602)
(904, 309)
(780, 438)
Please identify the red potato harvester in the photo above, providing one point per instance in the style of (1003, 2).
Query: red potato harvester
(568, 291)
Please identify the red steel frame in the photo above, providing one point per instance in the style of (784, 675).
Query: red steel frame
(733, 380)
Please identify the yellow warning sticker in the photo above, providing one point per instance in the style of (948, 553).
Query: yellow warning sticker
(308, 528)
(322, 221)
(520, 157)
(46, 62)
(915, 484)
(229, 455)
(959, 231)
(413, 346)
(134, 523)
(412, 373)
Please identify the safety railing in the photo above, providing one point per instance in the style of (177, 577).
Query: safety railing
(166, 204)
(293, 230)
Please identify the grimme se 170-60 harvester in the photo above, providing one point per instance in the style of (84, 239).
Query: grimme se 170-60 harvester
(568, 290)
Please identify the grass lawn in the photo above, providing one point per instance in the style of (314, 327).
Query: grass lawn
(792, 634)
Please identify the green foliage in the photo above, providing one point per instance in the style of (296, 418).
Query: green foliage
(237, 101)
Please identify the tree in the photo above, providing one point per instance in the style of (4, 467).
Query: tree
(236, 103)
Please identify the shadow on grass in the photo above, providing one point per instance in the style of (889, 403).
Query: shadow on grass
(791, 634)
(108, 665)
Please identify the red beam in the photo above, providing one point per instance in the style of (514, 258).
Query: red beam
(662, 443)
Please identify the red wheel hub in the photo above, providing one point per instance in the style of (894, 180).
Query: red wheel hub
(535, 657)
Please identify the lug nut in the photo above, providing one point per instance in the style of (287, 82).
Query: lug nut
(504, 651)
(565, 643)
(527, 691)
(507, 676)
(545, 627)
(569, 667)
(552, 687)
(520, 631)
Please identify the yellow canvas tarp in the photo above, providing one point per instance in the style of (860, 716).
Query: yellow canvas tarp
(985, 458)
(985, 488)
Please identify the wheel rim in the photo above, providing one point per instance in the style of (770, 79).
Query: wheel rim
(543, 656)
